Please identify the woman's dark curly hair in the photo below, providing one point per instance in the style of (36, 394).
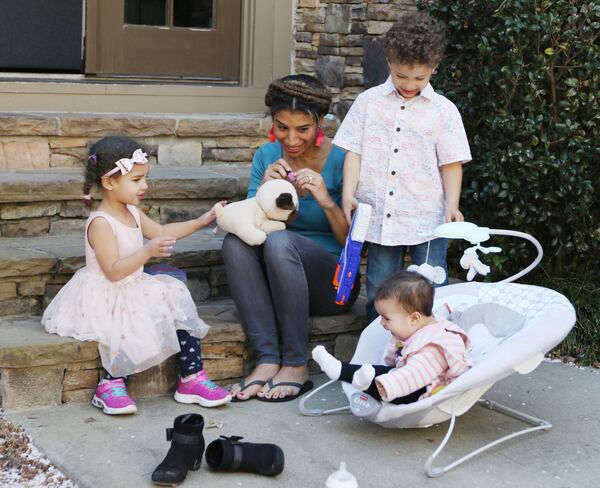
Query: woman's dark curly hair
(102, 157)
(298, 93)
(416, 38)
(411, 290)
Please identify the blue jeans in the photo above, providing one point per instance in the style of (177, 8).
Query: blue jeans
(382, 261)
(276, 287)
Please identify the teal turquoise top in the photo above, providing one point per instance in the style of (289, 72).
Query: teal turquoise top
(311, 220)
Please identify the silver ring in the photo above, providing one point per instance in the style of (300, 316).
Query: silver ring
(310, 179)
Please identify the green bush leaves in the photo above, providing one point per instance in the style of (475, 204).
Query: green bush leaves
(524, 75)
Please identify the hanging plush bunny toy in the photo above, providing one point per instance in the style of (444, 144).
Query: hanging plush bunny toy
(475, 235)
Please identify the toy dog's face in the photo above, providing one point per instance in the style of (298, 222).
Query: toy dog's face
(278, 199)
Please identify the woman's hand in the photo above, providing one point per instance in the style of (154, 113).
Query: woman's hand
(308, 180)
(209, 217)
(278, 170)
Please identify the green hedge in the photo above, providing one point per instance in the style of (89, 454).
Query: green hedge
(524, 75)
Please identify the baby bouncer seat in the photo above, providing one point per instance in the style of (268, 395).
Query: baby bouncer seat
(522, 324)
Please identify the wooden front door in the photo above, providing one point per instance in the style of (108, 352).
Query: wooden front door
(164, 38)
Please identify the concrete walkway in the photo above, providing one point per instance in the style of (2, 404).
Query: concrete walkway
(101, 452)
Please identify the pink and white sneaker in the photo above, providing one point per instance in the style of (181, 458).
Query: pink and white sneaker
(111, 396)
(200, 389)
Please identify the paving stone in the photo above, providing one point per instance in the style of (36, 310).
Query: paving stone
(230, 154)
(180, 153)
(25, 227)
(199, 289)
(75, 380)
(337, 18)
(67, 142)
(19, 306)
(29, 387)
(79, 396)
(32, 287)
(98, 126)
(67, 227)
(330, 70)
(215, 127)
(177, 211)
(345, 345)
(74, 209)
(166, 183)
(7, 290)
(28, 125)
(24, 155)
(65, 161)
(20, 211)
(157, 380)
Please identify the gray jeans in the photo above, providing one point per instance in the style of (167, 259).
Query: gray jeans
(276, 287)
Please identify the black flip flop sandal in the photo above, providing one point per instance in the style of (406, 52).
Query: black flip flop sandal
(303, 389)
(244, 386)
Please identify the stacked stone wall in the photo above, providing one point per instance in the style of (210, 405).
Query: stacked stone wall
(340, 42)
(39, 142)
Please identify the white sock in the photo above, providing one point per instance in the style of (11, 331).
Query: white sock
(363, 377)
(329, 364)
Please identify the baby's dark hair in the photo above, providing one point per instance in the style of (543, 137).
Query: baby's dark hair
(298, 93)
(102, 157)
(416, 38)
(411, 290)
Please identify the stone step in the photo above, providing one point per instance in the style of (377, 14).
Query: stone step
(34, 203)
(57, 139)
(40, 369)
(33, 269)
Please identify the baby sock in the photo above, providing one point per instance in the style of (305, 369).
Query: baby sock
(363, 377)
(329, 365)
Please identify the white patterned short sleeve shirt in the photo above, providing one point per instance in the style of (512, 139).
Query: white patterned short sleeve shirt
(402, 144)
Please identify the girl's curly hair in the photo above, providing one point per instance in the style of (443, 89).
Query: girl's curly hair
(102, 157)
(416, 38)
(303, 93)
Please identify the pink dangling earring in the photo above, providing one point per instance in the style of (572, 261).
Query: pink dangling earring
(320, 137)
(272, 137)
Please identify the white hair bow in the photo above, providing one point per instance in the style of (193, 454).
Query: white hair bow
(125, 165)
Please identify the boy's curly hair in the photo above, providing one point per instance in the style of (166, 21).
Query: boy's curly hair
(416, 38)
(411, 290)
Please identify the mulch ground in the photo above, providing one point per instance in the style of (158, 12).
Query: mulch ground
(22, 465)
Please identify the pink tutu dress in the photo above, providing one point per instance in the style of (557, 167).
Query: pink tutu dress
(133, 320)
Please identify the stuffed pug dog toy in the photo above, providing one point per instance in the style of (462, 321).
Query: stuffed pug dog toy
(252, 219)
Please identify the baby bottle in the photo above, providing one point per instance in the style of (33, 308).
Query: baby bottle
(341, 479)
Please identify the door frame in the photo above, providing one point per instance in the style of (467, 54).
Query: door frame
(113, 48)
(266, 53)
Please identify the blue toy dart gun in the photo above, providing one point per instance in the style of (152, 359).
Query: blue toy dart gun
(349, 261)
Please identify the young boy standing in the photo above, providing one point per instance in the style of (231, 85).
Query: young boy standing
(405, 148)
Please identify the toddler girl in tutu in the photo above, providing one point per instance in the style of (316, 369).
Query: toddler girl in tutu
(137, 319)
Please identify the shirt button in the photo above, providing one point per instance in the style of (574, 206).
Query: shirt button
(391, 193)
(388, 215)
(402, 108)
(393, 173)
(397, 129)
(396, 150)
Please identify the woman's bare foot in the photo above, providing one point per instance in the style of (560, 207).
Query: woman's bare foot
(297, 374)
(262, 372)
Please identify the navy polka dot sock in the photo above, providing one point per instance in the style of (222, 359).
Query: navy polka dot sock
(189, 357)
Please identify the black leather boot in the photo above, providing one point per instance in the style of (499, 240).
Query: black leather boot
(229, 454)
(187, 447)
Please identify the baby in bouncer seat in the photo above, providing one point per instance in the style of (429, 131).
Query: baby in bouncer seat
(423, 355)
